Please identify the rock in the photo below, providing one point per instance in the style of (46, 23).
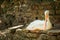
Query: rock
(43, 37)
(58, 37)
(53, 32)
(46, 37)
(52, 38)
(33, 35)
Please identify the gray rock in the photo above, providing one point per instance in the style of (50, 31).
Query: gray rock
(43, 37)
(58, 37)
(52, 38)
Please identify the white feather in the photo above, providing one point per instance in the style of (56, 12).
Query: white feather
(37, 24)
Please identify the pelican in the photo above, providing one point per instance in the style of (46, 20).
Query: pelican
(40, 24)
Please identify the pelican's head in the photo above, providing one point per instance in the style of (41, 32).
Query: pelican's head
(46, 14)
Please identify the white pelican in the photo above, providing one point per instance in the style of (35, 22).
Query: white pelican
(40, 24)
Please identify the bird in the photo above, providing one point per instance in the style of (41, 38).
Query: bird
(38, 25)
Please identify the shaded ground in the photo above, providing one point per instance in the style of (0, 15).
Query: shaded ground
(26, 35)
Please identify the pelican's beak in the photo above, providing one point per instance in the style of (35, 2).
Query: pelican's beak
(46, 16)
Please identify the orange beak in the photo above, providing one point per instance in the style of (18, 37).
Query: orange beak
(46, 17)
